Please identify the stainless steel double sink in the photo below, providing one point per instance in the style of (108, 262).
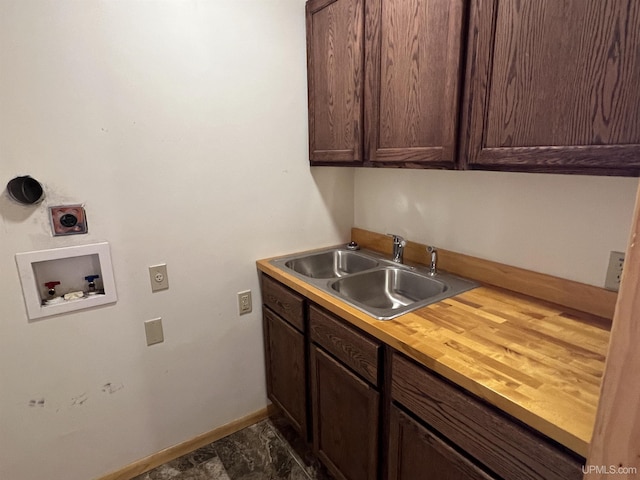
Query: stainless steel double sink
(371, 283)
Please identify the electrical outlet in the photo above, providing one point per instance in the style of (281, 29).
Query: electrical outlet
(153, 330)
(159, 278)
(614, 271)
(244, 302)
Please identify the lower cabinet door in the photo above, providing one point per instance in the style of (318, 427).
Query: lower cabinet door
(415, 453)
(345, 419)
(285, 365)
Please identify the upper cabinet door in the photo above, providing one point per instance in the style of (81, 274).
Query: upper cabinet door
(335, 55)
(553, 86)
(413, 52)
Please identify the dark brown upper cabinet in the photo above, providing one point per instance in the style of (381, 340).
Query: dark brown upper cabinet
(553, 86)
(335, 60)
(384, 81)
(412, 72)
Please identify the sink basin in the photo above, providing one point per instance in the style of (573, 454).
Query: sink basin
(372, 283)
(331, 264)
(388, 288)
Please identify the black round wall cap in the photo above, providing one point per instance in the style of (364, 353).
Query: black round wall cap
(25, 190)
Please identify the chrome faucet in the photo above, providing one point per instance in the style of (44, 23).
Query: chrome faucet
(433, 267)
(398, 247)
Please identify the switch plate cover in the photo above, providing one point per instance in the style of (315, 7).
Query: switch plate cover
(153, 331)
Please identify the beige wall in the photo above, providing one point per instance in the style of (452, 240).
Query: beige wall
(563, 225)
(182, 127)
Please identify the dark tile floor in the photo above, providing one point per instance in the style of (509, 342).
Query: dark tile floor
(268, 450)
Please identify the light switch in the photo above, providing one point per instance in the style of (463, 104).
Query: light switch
(153, 330)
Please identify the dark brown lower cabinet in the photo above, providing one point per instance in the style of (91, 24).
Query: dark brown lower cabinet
(285, 368)
(504, 446)
(415, 453)
(345, 419)
(436, 430)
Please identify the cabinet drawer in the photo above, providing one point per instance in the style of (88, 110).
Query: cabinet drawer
(348, 345)
(502, 444)
(285, 302)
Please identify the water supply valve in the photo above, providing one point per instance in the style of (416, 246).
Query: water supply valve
(92, 284)
(52, 287)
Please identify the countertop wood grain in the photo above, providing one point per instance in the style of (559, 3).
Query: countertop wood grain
(537, 361)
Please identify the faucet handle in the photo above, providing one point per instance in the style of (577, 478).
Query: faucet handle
(397, 239)
(398, 247)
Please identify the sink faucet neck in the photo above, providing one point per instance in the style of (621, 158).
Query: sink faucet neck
(398, 247)
(433, 263)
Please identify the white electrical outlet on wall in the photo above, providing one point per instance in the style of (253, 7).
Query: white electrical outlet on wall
(614, 272)
(158, 277)
(244, 302)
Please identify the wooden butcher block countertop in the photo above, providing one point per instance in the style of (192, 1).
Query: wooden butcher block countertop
(539, 362)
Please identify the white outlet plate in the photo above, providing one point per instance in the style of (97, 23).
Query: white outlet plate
(244, 302)
(158, 277)
(614, 271)
(153, 331)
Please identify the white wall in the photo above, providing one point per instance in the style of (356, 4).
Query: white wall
(563, 225)
(182, 127)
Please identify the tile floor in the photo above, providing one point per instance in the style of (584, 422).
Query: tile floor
(268, 450)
